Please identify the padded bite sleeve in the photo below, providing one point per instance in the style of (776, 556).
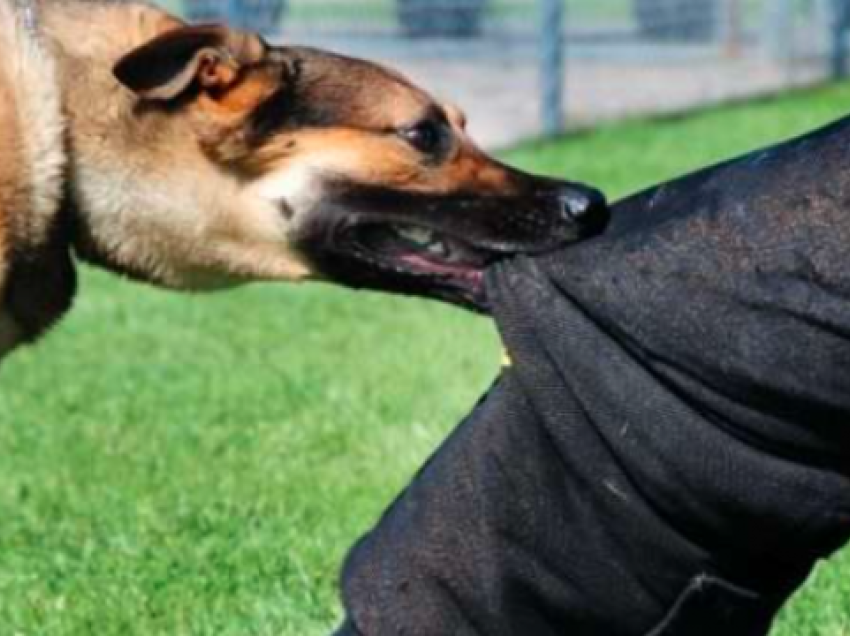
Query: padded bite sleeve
(668, 454)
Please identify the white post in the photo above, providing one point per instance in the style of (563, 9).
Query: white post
(552, 65)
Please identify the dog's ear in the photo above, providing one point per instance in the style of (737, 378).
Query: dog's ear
(208, 56)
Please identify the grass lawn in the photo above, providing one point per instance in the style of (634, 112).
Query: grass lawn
(173, 465)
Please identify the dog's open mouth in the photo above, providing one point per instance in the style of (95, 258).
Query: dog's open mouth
(438, 246)
(425, 257)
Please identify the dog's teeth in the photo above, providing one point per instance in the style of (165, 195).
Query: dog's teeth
(418, 235)
(438, 248)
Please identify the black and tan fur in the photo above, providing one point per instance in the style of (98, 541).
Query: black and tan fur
(201, 157)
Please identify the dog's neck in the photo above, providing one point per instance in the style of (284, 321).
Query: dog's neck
(86, 39)
(135, 172)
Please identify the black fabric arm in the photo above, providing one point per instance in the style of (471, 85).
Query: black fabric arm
(668, 454)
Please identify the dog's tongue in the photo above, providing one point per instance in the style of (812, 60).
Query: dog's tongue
(420, 262)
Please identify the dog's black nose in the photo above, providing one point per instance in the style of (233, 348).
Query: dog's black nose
(586, 207)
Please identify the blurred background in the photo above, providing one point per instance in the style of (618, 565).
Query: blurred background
(530, 67)
(186, 465)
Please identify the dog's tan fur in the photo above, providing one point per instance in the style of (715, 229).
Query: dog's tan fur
(132, 181)
(31, 173)
(140, 207)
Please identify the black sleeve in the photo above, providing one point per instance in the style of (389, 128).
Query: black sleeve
(668, 454)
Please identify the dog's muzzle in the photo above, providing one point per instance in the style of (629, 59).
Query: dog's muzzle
(438, 245)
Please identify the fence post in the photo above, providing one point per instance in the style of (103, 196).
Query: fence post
(779, 29)
(839, 30)
(552, 65)
(732, 30)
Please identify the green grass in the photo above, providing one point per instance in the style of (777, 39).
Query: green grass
(174, 465)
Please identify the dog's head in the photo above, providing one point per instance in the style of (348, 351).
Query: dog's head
(375, 184)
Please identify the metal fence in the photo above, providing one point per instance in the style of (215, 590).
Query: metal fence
(527, 67)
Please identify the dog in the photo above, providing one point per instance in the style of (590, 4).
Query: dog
(200, 157)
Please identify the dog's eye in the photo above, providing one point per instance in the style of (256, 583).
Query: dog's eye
(426, 136)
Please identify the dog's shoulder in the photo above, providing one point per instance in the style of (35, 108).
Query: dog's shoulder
(32, 164)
